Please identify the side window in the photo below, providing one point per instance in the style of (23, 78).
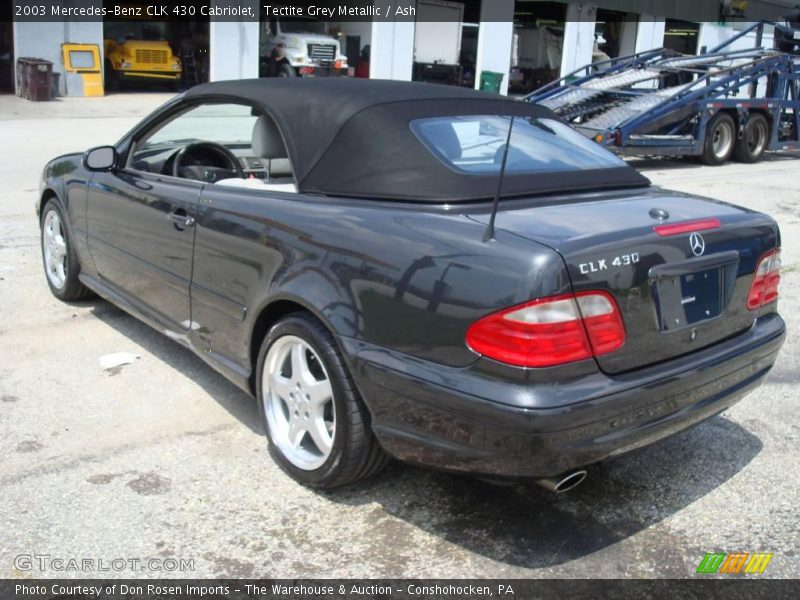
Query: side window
(225, 124)
(475, 144)
(229, 125)
(216, 143)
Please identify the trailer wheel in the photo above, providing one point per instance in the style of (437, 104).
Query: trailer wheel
(720, 138)
(754, 140)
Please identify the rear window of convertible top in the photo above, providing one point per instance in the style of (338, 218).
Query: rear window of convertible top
(474, 144)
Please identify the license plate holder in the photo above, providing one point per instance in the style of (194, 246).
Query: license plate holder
(688, 294)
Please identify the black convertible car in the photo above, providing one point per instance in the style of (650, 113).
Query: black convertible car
(441, 275)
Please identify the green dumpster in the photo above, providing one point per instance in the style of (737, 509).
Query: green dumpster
(491, 81)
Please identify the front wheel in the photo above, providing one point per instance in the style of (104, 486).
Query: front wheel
(751, 146)
(61, 266)
(720, 138)
(317, 425)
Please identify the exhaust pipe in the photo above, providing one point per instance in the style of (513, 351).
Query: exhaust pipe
(564, 482)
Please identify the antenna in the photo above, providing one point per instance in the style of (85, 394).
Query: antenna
(489, 233)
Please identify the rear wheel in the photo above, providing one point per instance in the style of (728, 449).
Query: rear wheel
(720, 138)
(318, 427)
(751, 146)
(60, 260)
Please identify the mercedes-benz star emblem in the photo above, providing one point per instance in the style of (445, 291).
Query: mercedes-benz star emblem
(697, 244)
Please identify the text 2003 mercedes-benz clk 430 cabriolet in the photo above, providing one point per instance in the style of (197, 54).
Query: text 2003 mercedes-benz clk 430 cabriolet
(452, 278)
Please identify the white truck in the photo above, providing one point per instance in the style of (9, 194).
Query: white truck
(437, 40)
(300, 47)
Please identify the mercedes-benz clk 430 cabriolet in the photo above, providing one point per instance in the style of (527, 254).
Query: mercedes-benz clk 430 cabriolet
(444, 276)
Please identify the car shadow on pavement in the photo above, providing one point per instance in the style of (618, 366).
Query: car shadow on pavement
(183, 360)
(521, 525)
(527, 526)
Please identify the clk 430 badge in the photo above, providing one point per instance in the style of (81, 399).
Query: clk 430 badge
(604, 264)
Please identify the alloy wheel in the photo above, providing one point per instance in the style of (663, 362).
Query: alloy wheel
(54, 248)
(298, 402)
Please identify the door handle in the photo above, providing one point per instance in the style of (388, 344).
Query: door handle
(181, 220)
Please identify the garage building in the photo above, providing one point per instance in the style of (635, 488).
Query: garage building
(527, 42)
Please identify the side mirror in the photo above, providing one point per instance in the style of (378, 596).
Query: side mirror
(102, 158)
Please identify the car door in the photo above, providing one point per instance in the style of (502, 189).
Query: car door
(141, 238)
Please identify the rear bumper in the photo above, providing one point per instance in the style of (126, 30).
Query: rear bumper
(430, 415)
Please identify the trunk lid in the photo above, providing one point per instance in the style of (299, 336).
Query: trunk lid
(677, 293)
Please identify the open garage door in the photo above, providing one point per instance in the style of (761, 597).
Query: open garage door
(308, 47)
(6, 51)
(538, 45)
(681, 36)
(156, 55)
(615, 34)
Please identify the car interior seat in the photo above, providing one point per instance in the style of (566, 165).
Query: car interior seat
(267, 144)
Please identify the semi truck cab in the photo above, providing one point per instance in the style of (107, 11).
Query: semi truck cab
(301, 47)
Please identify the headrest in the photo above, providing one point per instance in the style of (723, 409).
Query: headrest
(267, 140)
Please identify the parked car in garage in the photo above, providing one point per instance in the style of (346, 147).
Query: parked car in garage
(441, 275)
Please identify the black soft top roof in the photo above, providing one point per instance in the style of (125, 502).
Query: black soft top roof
(351, 137)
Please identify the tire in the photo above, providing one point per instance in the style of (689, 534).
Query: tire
(720, 140)
(750, 148)
(286, 70)
(60, 261)
(348, 451)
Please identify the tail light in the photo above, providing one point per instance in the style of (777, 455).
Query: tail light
(764, 288)
(550, 331)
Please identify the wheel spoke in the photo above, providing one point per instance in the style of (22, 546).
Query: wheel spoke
(319, 434)
(61, 272)
(295, 432)
(299, 363)
(281, 386)
(319, 393)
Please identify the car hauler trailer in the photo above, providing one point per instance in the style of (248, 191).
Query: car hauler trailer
(719, 104)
